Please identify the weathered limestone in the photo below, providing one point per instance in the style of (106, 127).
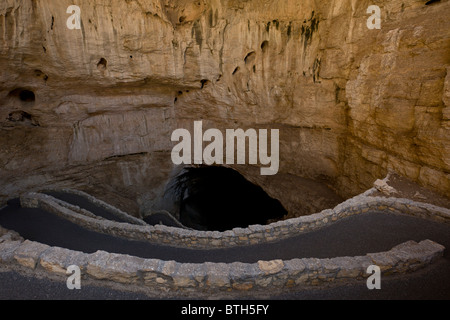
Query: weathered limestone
(118, 268)
(383, 187)
(351, 103)
(8, 235)
(29, 252)
(7, 249)
(271, 267)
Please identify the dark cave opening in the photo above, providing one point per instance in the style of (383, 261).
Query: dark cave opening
(220, 199)
(23, 94)
(102, 64)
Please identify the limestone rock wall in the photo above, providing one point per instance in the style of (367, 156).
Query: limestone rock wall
(95, 108)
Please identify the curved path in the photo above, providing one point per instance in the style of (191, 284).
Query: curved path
(82, 202)
(357, 235)
(78, 200)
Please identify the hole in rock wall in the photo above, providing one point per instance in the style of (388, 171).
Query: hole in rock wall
(250, 57)
(40, 74)
(23, 94)
(220, 199)
(204, 83)
(264, 46)
(27, 96)
(101, 65)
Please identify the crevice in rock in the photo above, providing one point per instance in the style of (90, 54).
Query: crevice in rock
(289, 29)
(308, 31)
(316, 69)
(204, 83)
(432, 2)
(276, 23)
(137, 154)
(23, 117)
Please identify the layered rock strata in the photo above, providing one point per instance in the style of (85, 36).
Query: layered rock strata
(94, 108)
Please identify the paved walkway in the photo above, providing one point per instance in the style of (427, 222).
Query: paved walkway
(372, 232)
(82, 202)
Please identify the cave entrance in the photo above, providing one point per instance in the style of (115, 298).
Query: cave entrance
(219, 199)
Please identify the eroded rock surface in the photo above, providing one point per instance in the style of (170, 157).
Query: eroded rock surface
(94, 108)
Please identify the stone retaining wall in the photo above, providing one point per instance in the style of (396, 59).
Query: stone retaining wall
(171, 276)
(168, 216)
(113, 210)
(240, 236)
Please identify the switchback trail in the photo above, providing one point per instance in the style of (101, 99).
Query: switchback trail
(354, 236)
(358, 235)
(82, 202)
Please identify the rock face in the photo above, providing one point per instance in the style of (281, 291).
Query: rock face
(94, 108)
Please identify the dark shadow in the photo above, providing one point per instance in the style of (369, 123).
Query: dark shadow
(432, 2)
(23, 94)
(102, 64)
(220, 199)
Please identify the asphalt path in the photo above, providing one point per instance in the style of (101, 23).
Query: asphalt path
(358, 235)
(84, 203)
